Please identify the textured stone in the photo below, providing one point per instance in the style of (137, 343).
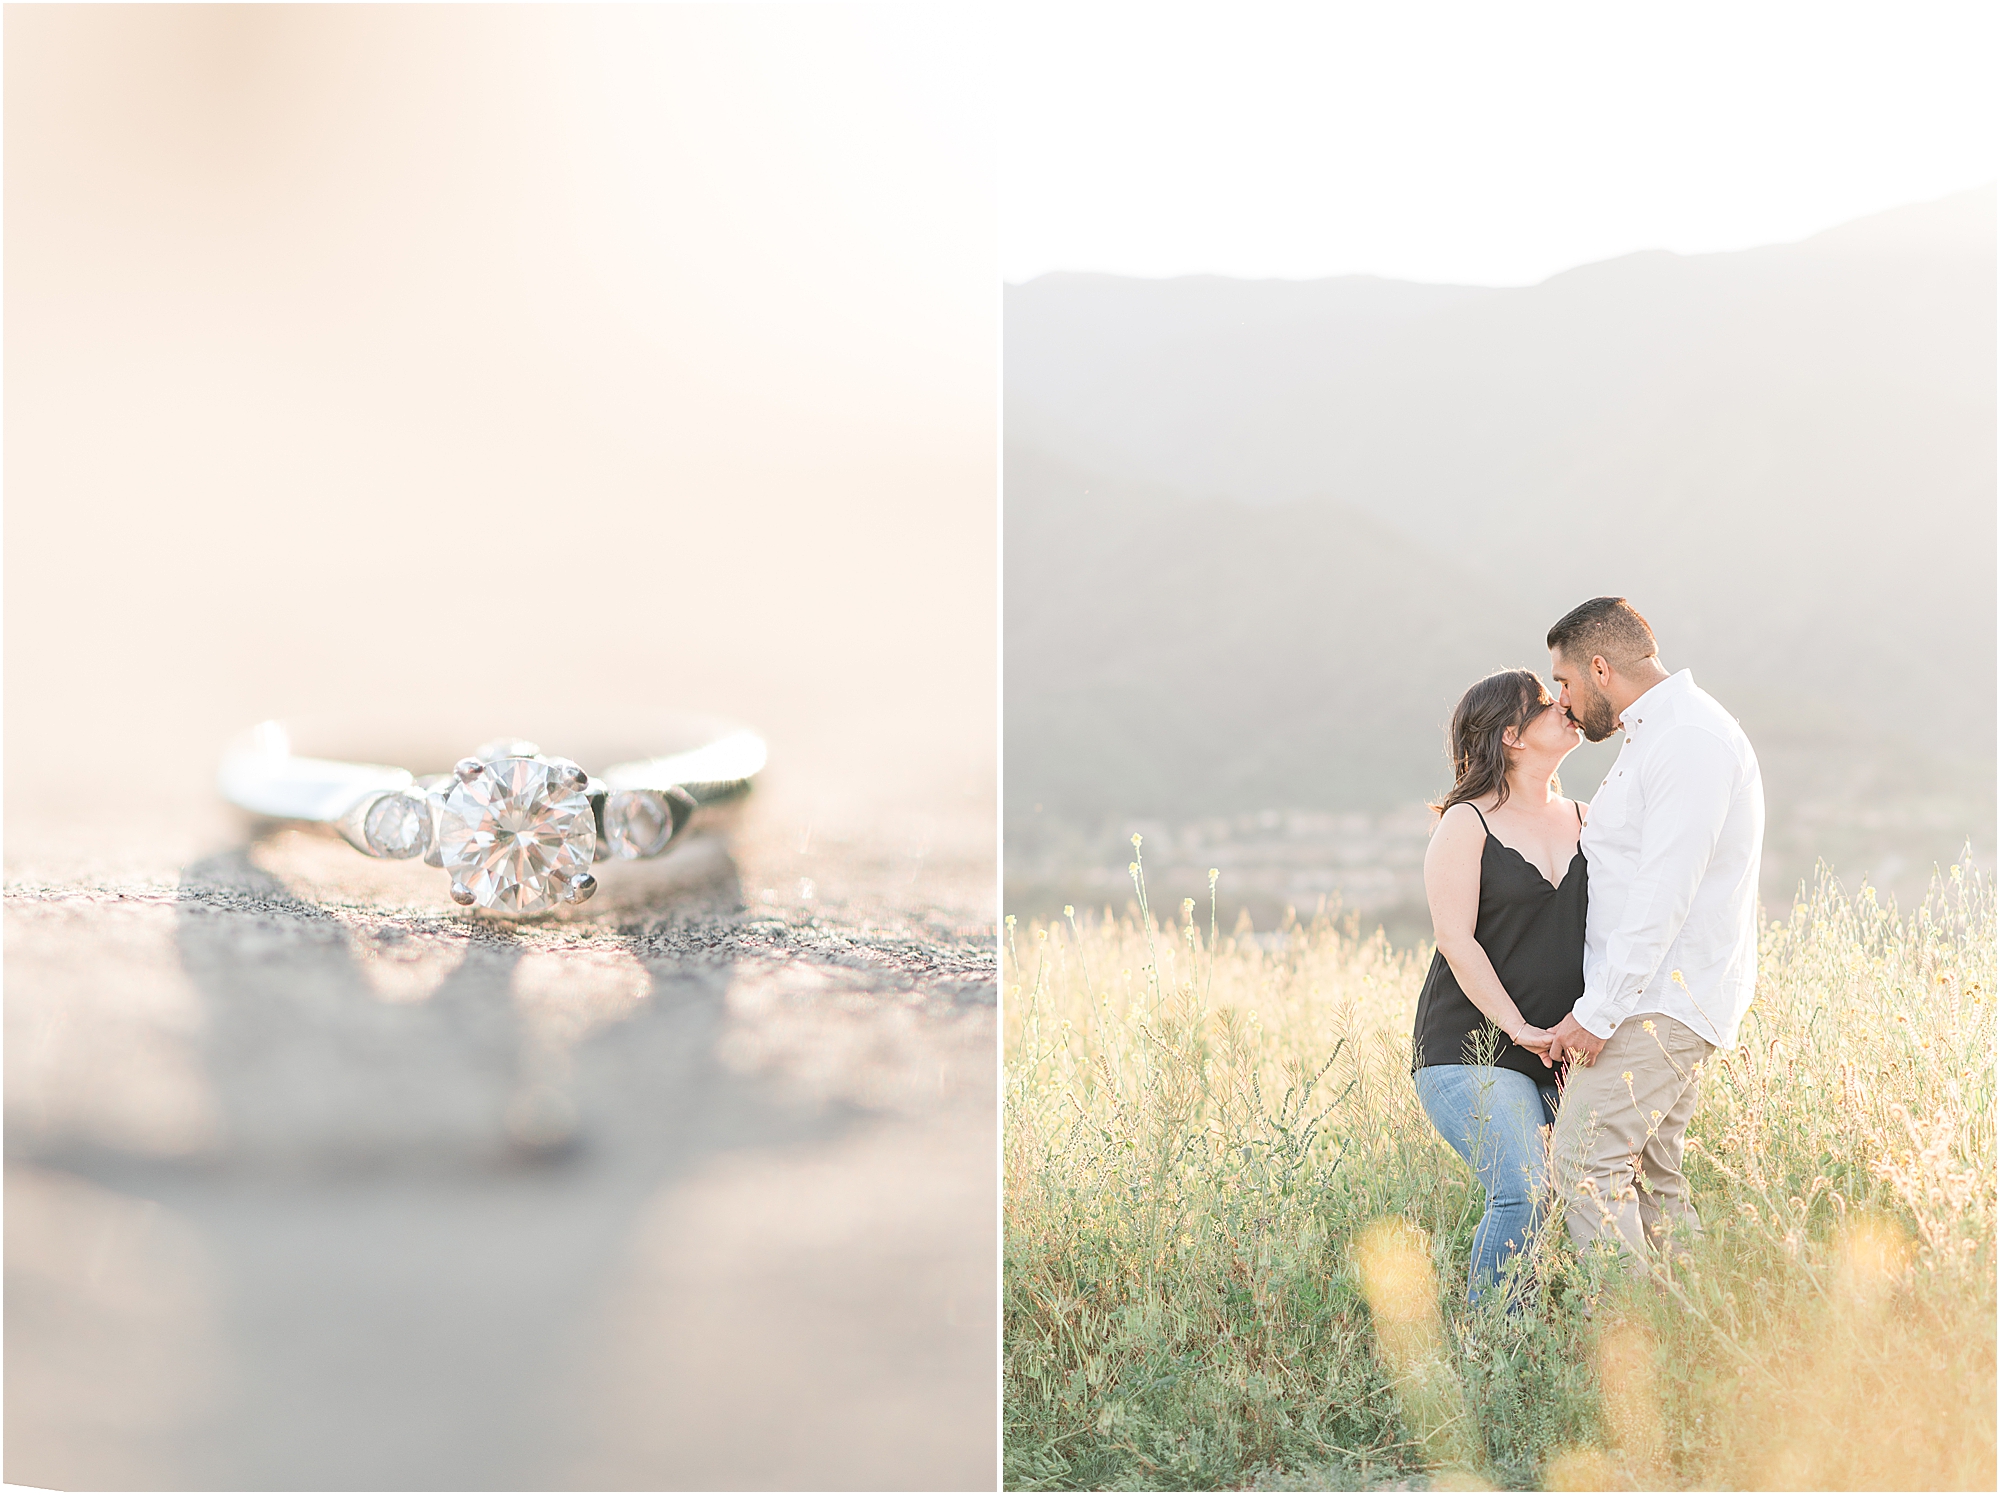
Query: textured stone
(516, 836)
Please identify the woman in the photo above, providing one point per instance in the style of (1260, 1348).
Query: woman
(1506, 882)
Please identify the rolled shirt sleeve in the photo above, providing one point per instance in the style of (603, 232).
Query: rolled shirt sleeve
(1688, 779)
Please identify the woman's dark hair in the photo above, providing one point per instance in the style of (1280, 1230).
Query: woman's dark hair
(1477, 739)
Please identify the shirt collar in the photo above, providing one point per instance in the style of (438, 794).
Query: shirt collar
(1655, 702)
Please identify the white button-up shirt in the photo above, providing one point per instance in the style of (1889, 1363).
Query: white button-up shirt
(1674, 838)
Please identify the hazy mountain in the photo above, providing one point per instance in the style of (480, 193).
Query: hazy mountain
(1261, 534)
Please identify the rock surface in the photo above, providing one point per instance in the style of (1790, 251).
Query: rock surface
(314, 1181)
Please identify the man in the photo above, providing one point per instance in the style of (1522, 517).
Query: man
(1673, 840)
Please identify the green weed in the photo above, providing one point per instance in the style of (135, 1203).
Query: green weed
(1236, 1249)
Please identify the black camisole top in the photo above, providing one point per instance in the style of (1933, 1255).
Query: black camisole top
(1533, 934)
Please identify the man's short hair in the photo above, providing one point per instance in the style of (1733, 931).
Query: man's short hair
(1604, 626)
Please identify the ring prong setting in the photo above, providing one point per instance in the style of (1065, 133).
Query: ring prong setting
(580, 888)
(467, 769)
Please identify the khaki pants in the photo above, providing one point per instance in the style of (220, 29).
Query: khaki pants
(1617, 1143)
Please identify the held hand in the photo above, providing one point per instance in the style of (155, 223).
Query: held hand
(1534, 1040)
(1570, 1040)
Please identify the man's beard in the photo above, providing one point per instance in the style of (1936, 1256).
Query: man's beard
(1596, 717)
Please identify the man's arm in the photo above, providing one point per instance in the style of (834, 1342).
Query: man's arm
(1689, 778)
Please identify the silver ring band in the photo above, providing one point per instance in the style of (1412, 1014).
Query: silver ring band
(518, 829)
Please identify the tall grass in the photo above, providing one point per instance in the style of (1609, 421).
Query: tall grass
(1236, 1249)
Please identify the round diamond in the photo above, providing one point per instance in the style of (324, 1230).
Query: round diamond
(515, 836)
(637, 822)
(398, 825)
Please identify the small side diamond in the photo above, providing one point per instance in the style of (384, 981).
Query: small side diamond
(637, 823)
(397, 826)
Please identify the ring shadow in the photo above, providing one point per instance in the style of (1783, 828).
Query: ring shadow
(416, 1203)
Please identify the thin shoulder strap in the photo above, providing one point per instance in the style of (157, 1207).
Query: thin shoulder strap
(1482, 819)
(1579, 813)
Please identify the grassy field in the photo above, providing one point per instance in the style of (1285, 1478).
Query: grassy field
(1236, 1250)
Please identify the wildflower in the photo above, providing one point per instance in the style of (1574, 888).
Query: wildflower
(1135, 840)
(1068, 912)
(1648, 1024)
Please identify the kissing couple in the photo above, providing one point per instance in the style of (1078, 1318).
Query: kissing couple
(1589, 958)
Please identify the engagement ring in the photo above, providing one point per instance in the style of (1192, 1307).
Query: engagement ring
(518, 829)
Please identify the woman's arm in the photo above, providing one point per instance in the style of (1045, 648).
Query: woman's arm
(1451, 883)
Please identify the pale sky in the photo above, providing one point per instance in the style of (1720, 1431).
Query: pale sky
(1476, 143)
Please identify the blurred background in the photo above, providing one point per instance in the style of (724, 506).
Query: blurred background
(433, 373)
(1348, 350)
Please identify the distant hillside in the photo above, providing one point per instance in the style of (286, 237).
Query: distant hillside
(1260, 534)
(1212, 657)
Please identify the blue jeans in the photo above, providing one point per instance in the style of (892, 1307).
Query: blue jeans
(1493, 1118)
